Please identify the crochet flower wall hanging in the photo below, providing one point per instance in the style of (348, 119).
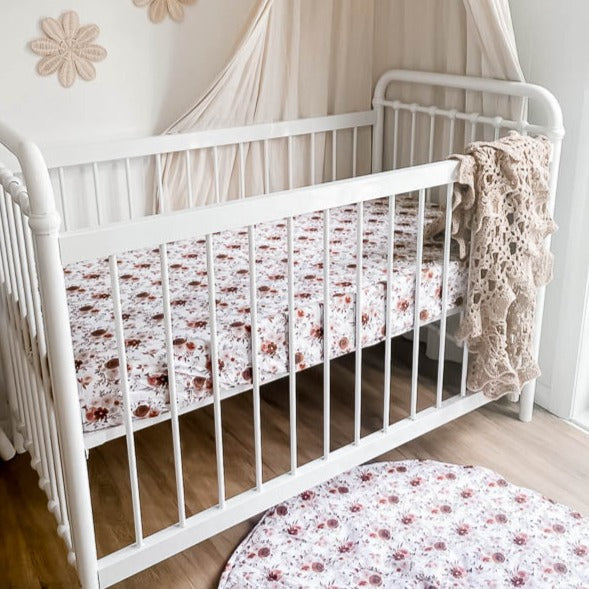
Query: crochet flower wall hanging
(159, 9)
(68, 49)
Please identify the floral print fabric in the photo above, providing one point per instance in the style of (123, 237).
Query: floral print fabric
(414, 524)
(92, 317)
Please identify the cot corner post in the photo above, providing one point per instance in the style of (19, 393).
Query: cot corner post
(45, 222)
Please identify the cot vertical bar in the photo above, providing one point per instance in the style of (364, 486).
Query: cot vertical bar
(473, 127)
(63, 198)
(451, 131)
(10, 312)
(388, 312)
(44, 224)
(188, 164)
(255, 364)
(96, 182)
(289, 156)
(430, 150)
(160, 186)
(358, 334)
(354, 152)
(412, 145)
(129, 191)
(312, 166)
(20, 321)
(124, 381)
(326, 337)
(266, 167)
(216, 174)
(497, 122)
(172, 385)
(334, 154)
(443, 318)
(29, 333)
(215, 371)
(29, 441)
(292, 389)
(241, 172)
(395, 135)
(416, 319)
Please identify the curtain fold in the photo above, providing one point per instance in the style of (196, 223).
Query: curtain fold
(302, 58)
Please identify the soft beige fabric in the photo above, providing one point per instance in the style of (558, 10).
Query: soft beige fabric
(500, 219)
(303, 58)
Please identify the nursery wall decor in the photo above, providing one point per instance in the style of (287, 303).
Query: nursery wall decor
(158, 9)
(68, 49)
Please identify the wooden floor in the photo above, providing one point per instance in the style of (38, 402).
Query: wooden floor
(547, 455)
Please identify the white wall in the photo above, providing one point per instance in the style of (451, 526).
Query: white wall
(152, 74)
(553, 44)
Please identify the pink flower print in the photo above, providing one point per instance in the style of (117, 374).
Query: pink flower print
(502, 483)
(415, 482)
(559, 528)
(520, 539)
(467, 493)
(307, 495)
(343, 490)
(274, 575)
(521, 498)
(375, 580)
(561, 568)
(440, 545)
(463, 529)
(366, 476)
(401, 469)
(317, 567)
(400, 555)
(384, 534)
(141, 410)
(332, 523)
(457, 572)
(345, 547)
(282, 510)
(264, 552)
(293, 530)
(356, 508)
(501, 518)
(498, 557)
(581, 550)
(408, 519)
(451, 476)
(393, 499)
(445, 509)
(518, 580)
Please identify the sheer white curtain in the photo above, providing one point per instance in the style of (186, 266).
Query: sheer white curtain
(303, 58)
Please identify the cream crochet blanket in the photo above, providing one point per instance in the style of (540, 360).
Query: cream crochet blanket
(501, 195)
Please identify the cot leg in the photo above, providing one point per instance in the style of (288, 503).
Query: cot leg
(526, 402)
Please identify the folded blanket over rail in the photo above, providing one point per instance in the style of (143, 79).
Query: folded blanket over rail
(500, 219)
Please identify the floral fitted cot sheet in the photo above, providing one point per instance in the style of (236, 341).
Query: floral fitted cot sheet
(92, 315)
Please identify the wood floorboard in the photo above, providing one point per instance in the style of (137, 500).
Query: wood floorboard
(548, 455)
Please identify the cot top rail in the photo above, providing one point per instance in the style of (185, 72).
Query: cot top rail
(104, 151)
(545, 99)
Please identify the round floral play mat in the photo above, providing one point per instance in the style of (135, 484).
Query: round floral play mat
(414, 524)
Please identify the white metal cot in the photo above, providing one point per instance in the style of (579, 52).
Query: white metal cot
(39, 237)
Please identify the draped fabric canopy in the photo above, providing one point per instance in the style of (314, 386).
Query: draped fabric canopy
(302, 58)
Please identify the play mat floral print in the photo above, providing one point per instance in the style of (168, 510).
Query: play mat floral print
(410, 525)
(93, 329)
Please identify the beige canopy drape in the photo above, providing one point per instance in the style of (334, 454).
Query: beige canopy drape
(302, 58)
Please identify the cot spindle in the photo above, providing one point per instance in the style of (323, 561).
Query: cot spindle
(124, 384)
(326, 336)
(388, 314)
(214, 351)
(292, 389)
(358, 334)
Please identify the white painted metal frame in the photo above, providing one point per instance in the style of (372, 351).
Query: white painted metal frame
(37, 348)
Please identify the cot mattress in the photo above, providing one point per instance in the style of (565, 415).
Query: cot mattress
(92, 316)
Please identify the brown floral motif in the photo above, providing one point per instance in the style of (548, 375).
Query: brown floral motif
(68, 48)
(159, 9)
